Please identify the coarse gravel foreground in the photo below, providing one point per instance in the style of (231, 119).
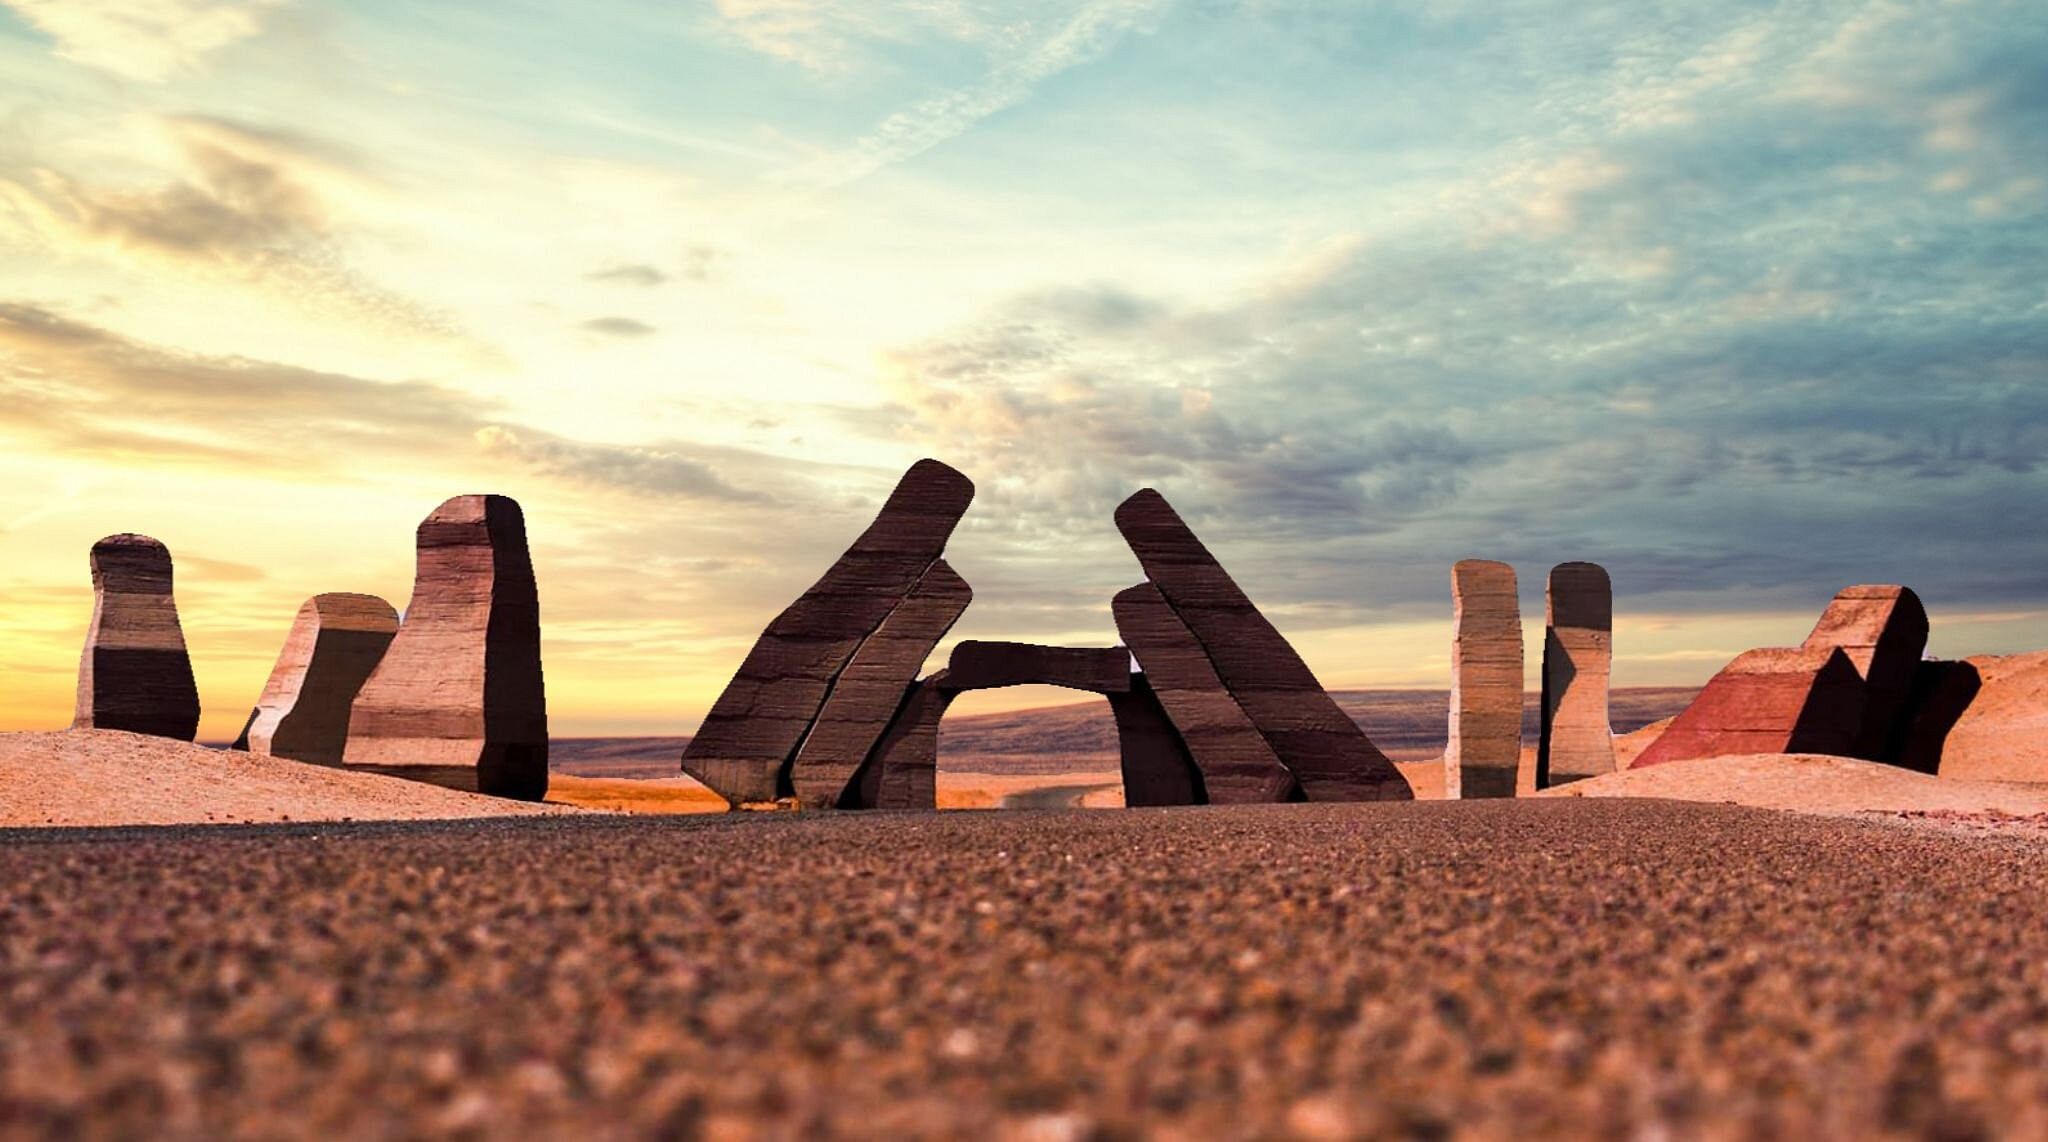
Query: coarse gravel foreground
(1596, 968)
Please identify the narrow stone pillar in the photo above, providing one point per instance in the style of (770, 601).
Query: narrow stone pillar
(1485, 744)
(135, 674)
(1578, 655)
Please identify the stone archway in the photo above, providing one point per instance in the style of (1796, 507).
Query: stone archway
(1156, 766)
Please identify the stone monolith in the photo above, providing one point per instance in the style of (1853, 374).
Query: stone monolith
(1576, 739)
(1485, 745)
(865, 697)
(748, 742)
(1311, 735)
(1237, 764)
(135, 674)
(335, 642)
(458, 698)
(1845, 691)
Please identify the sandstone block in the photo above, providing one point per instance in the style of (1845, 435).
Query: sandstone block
(1577, 739)
(1236, 763)
(1485, 744)
(458, 698)
(135, 674)
(748, 742)
(985, 665)
(1324, 749)
(868, 693)
(1804, 699)
(334, 644)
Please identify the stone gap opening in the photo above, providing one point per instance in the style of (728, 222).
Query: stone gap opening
(1029, 747)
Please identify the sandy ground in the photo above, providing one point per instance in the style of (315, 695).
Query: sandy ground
(1561, 968)
(667, 795)
(1811, 783)
(2004, 733)
(107, 777)
(1082, 789)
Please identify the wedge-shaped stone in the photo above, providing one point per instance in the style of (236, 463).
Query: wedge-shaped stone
(1236, 763)
(1157, 768)
(1485, 744)
(1800, 696)
(868, 693)
(1801, 699)
(1578, 654)
(749, 740)
(458, 698)
(1883, 630)
(1322, 747)
(334, 644)
(135, 674)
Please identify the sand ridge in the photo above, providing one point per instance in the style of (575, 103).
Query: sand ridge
(110, 777)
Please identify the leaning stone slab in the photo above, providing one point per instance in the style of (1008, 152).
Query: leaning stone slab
(1485, 745)
(334, 644)
(1578, 654)
(868, 693)
(1803, 699)
(1236, 764)
(135, 674)
(903, 772)
(749, 740)
(1157, 768)
(1317, 742)
(458, 698)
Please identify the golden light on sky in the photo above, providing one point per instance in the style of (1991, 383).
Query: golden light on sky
(1746, 307)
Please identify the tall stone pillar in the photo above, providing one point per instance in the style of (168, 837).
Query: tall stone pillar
(1578, 655)
(135, 674)
(1485, 744)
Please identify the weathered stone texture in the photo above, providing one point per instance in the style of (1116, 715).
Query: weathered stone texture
(1157, 768)
(1802, 699)
(750, 738)
(1322, 747)
(903, 771)
(1847, 690)
(134, 674)
(1577, 738)
(1237, 764)
(983, 665)
(458, 698)
(334, 644)
(1485, 745)
(1883, 631)
(868, 693)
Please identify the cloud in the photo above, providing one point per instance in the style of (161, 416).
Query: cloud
(1679, 343)
(619, 327)
(250, 203)
(71, 386)
(1080, 36)
(655, 471)
(144, 39)
(636, 273)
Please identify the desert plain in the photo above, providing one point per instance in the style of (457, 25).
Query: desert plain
(1788, 946)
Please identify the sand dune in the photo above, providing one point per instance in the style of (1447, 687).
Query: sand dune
(2003, 736)
(1812, 783)
(107, 777)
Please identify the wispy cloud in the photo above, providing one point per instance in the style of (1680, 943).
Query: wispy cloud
(71, 386)
(1073, 39)
(249, 203)
(144, 39)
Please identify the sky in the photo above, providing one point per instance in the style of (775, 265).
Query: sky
(1744, 301)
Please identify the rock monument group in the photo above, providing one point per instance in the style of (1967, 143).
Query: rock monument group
(828, 710)
(451, 694)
